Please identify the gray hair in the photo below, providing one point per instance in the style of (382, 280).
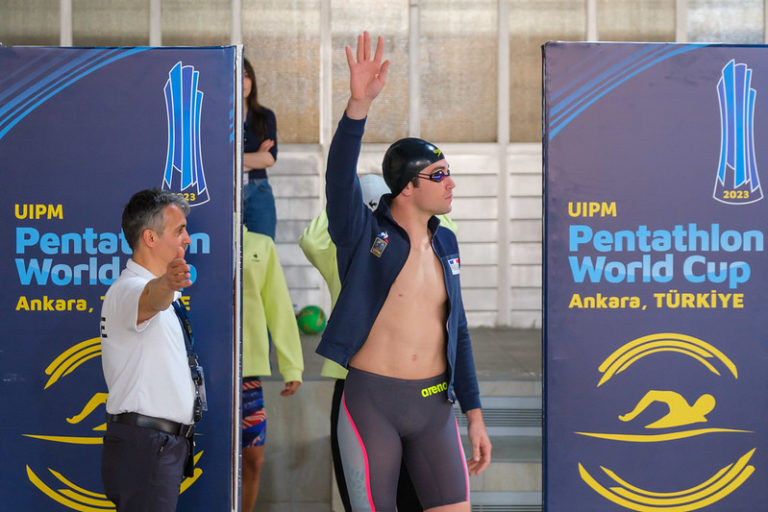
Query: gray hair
(145, 210)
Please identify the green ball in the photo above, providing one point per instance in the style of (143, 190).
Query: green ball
(311, 320)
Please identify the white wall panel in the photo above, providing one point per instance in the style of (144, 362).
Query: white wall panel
(479, 299)
(474, 208)
(525, 276)
(294, 186)
(477, 231)
(525, 208)
(525, 230)
(290, 254)
(474, 185)
(526, 299)
(478, 254)
(481, 276)
(525, 185)
(525, 253)
(297, 207)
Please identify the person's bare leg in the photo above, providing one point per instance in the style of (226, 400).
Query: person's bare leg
(253, 459)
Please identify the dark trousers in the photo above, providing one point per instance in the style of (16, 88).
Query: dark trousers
(142, 468)
(407, 501)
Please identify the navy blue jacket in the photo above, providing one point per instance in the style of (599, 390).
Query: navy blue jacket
(371, 250)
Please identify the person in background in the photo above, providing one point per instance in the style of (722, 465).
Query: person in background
(259, 153)
(267, 313)
(319, 249)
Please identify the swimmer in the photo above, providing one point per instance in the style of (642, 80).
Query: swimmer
(399, 325)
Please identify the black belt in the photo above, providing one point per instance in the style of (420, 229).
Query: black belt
(139, 420)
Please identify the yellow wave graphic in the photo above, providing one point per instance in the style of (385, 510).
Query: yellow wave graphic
(705, 483)
(71, 498)
(656, 438)
(639, 348)
(68, 439)
(77, 498)
(96, 400)
(721, 484)
(71, 358)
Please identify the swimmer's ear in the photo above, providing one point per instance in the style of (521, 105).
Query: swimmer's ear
(408, 190)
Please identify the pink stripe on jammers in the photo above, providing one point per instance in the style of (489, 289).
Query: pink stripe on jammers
(463, 458)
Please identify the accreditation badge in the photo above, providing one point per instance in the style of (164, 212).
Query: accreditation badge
(380, 244)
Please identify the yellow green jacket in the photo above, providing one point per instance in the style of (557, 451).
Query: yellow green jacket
(321, 253)
(267, 304)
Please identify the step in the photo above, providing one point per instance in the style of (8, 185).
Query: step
(511, 448)
(506, 501)
(513, 481)
(508, 416)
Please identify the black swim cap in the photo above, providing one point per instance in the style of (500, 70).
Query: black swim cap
(405, 159)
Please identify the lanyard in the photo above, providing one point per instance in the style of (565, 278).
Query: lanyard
(186, 326)
(201, 404)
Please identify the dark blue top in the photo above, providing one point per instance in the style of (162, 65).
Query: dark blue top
(251, 140)
(371, 251)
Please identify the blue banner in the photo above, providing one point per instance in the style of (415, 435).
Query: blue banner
(655, 279)
(81, 130)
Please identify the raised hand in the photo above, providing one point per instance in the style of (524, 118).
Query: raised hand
(366, 76)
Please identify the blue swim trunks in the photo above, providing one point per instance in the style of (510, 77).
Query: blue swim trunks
(254, 423)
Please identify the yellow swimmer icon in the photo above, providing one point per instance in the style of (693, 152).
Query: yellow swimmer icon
(680, 411)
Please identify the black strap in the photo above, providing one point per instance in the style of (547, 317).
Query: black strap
(186, 325)
(194, 367)
(189, 339)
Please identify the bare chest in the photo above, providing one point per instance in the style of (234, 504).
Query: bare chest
(421, 280)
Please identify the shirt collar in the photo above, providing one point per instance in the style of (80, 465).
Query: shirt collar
(139, 270)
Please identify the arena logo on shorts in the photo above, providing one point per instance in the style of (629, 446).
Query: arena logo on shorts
(433, 390)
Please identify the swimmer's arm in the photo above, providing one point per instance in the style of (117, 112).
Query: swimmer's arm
(366, 77)
(344, 205)
(481, 443)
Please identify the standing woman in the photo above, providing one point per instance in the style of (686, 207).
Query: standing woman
(259, 152)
